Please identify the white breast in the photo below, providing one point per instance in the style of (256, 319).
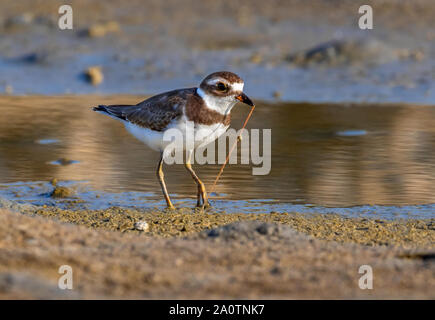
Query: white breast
(205, 134)
(202, 134)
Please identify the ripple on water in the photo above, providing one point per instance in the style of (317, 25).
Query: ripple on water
(47, 141)
(63, 162)
(351, 133)
(38, 193)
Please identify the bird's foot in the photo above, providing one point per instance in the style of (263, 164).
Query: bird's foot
(170, 208)
(203, 206)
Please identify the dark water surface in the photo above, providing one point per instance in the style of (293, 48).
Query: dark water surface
(378, 158)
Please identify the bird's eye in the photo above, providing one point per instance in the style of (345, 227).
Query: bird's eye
(221, 86)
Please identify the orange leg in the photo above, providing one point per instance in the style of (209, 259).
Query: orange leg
(161, 177)
(202, 199)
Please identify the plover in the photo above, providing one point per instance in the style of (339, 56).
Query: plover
(208, 107)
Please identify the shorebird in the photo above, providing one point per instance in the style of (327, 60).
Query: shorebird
(208, 107)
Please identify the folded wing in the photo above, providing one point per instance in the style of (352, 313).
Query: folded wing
(154, 113)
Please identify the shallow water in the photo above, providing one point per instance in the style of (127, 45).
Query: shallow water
(365, 159)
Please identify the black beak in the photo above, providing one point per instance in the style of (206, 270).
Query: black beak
(244, 98)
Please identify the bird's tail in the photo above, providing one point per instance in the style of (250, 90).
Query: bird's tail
(100, 108)
(115, 111)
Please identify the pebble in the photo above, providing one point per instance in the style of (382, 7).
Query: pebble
(61, 192)
(100, 30)
(256, 58)
(277, 94)
(94, 75)
(142, 226)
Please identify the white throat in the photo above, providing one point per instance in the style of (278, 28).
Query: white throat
(223, 105)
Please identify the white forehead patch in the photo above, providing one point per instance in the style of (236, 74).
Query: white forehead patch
(238, 86)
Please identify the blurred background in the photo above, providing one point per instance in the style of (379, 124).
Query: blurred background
(290, 50)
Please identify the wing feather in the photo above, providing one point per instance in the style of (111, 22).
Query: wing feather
(154, 113)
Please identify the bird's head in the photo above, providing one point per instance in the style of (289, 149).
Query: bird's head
(222, 90)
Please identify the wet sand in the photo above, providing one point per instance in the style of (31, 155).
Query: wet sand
(188, 254)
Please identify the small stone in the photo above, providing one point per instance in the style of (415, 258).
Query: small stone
(100, 30)
(277, 94)
(94, 75)
(96, 31)
(266, 229)
(142, 226)
(61, 192)
(256, 58)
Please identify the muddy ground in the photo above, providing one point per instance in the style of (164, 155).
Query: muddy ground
(187, 254)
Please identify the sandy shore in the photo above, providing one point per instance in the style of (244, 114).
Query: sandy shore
(199, 255)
